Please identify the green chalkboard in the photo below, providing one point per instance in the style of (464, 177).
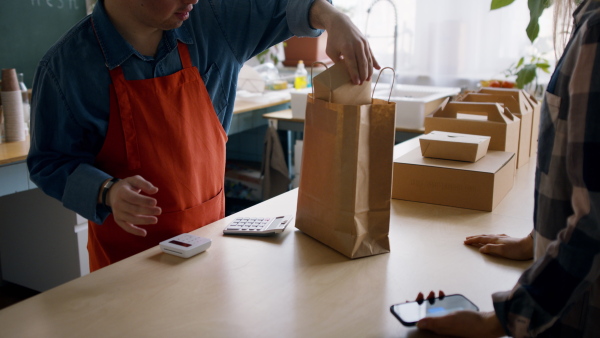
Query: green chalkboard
(29, 27)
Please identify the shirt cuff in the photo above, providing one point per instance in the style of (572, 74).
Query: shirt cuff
(298, 18)
(81, 193)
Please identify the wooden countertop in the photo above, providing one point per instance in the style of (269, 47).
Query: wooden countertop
(288, 285)
(245, 106)
(13, 152)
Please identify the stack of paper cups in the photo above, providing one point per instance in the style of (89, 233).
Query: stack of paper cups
(1, 123)
(12, 103)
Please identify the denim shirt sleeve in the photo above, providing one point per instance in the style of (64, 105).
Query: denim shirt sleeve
(298, 18)
(61, 154)
(269, 22)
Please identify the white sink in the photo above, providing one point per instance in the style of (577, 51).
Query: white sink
(414, 102)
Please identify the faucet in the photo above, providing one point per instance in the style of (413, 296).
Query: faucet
(395, 25)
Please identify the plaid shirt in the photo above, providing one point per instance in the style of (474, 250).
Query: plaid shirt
(559, 295)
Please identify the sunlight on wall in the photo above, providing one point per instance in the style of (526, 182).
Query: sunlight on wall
(460, 38)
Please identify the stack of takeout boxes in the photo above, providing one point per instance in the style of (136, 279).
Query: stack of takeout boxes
(470, 150)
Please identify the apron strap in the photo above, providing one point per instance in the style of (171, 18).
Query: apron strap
(184, 55)
(126, 113)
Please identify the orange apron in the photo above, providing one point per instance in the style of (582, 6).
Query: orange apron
(164, 129)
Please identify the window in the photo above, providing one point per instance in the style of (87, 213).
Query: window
(440, 39)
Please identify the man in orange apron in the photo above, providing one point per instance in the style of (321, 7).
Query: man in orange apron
(140, 141)
(142, 92)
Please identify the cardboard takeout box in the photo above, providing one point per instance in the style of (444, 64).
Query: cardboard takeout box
(480, 185)
(454, 146)
(518, 105)
(533, 103)
(488, 119)
(334, 85)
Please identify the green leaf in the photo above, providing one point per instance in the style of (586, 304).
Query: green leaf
(543, 66)
(500, 3)
(520, 63)
(536, 8)
(526, 75)
(533, 30)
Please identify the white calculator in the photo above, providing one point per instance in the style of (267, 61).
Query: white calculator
(258, 226)
(185, 245)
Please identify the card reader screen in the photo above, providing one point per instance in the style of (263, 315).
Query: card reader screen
(180, 243)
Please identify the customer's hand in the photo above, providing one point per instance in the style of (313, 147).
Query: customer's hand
(460, 323)
(503, 246)
(344, 41)
(130, 207)
(464, 324)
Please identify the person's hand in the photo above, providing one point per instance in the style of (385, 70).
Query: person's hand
(464, 324)
(461, 323)
(503, 246)
(344, 41)
(130, 207)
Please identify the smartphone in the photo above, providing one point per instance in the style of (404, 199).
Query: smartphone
(410, 313)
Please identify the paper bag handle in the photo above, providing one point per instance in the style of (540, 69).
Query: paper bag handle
(391, 88)
(311, 78)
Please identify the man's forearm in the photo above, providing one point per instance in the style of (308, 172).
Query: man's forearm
(322, 14)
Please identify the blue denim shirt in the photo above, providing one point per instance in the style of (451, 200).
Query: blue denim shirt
(70, 102)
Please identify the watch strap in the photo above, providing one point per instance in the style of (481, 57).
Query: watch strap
(107, 187)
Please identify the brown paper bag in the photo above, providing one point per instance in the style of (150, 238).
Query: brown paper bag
(345, 187)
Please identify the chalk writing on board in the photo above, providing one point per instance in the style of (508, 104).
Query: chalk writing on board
(58, 4)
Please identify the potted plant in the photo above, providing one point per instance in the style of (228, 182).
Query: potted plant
(308, 50)
(525, 70)
(270, 54)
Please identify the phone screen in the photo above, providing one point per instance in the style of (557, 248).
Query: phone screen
(411, 312)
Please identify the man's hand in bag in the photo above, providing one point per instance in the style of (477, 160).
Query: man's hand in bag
(345, 41)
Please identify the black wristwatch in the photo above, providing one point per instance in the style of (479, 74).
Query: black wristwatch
(105, 188)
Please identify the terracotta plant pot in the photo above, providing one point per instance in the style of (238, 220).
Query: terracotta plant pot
(308, 50)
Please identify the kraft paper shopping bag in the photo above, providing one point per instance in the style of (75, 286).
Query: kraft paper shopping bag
(346, 176)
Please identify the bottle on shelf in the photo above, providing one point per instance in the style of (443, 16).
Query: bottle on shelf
(301, 76)
(26, 106)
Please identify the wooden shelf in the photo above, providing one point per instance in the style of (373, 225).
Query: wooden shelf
(13, 152)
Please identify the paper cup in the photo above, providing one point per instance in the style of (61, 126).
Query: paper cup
(10, 82)
(14, 126)
(1, 124)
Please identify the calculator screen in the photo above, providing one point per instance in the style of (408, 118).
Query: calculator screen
(180, 243)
